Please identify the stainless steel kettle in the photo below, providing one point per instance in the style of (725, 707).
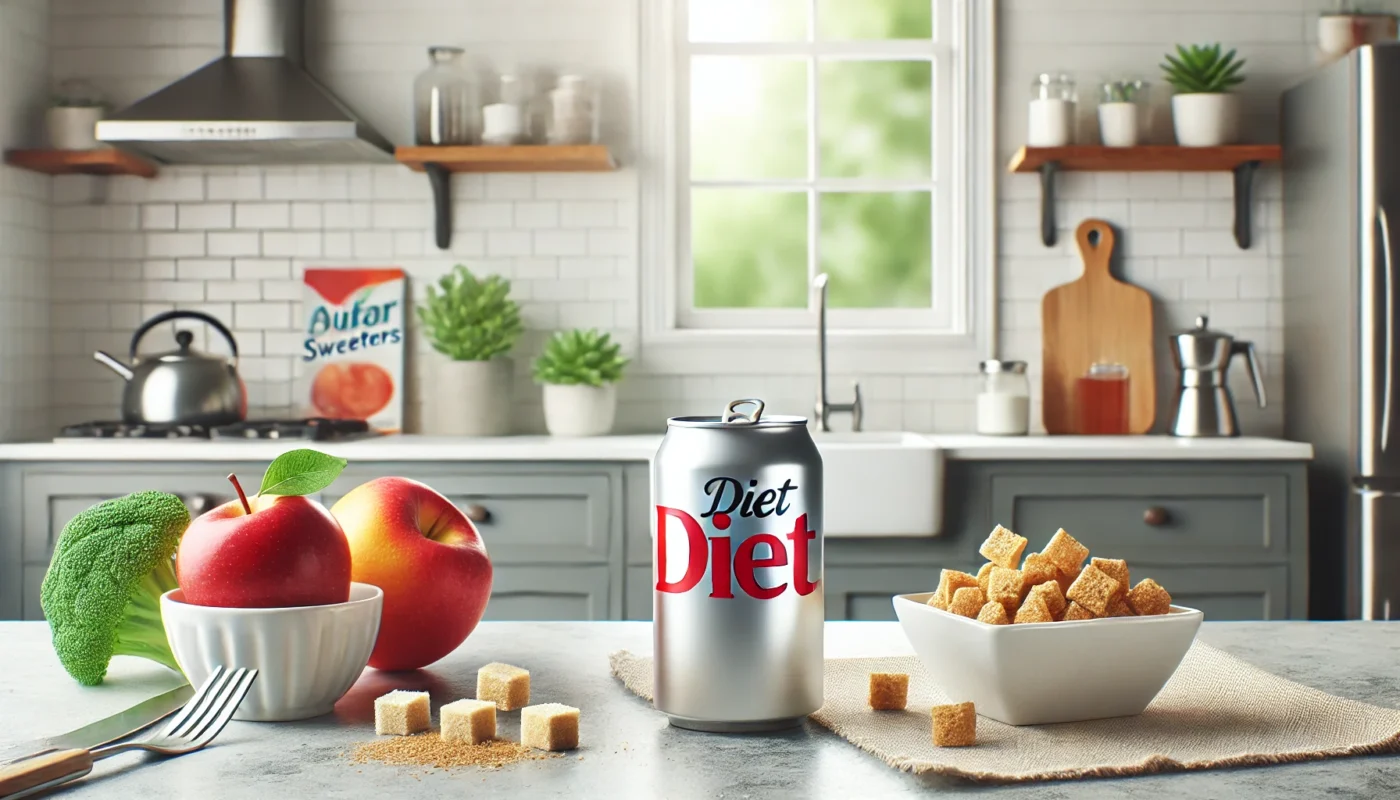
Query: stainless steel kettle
(182, 386)
(1204, 406)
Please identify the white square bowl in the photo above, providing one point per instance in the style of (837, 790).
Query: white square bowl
(1042, 673)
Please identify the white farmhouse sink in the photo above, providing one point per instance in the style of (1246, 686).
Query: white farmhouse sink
(881, 484)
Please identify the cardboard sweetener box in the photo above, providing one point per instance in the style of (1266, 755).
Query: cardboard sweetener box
(352, 354)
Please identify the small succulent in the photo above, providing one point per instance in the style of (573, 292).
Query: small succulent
(1201, 69)
(1125, 91)
(468, 319)
(580, 358)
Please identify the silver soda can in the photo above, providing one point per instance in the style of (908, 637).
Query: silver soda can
(737, 569)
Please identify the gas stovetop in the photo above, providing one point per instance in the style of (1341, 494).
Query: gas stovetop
(315, 429)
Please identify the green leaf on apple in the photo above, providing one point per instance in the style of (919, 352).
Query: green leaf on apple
(299, 472)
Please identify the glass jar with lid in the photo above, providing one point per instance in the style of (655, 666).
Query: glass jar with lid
(1051, 118)
(1004, 404)
(506, 121)
(573, 111)
(446, 100)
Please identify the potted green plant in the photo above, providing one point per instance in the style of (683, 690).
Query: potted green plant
(73, 114)
(579, 370)
(1204, 112)
(1118, 112)
(475, 324)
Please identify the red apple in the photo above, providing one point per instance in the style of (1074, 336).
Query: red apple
(289, 551)
(428, 558)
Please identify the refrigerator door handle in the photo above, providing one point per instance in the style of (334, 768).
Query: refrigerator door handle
(1384, 218)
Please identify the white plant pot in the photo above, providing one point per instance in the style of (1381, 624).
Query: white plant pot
(471, 398)
(1118, 124)
(73, 128)
(579, 410)
(1206, 120)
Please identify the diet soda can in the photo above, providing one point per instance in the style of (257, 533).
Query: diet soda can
(737, 569)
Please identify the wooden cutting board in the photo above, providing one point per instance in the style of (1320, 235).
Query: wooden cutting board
(1097, 318)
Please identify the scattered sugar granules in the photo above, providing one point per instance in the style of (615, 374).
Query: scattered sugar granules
(429, 750)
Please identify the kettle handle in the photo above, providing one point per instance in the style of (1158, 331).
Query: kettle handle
(1256, 375)
(169, 315)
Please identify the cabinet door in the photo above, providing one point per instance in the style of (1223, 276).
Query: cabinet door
(1161, 519)
(550, 593)
(864, 593)
(1227, 593)
(637, 595)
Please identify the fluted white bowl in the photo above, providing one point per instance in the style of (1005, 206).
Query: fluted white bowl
(307, 657)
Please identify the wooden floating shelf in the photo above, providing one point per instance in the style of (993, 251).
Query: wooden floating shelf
(519, 158)
(103, 161)
(1241, 159)
(440, 162)
(1146, 158)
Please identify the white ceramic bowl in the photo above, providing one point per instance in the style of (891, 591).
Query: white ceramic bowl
(307, 657)
(1041, 673)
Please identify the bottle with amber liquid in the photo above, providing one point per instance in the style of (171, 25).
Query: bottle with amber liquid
(1101, 400)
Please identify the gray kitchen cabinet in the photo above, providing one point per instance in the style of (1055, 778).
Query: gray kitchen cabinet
(1226, 593)
(862, 594)
(636, 596)
(552, 593)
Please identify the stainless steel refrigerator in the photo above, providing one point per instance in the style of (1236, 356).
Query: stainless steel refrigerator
(1341, 288)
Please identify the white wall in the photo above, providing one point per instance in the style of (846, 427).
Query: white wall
(233, 241)
(24, 223)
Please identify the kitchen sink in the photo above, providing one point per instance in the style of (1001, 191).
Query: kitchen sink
(881, 484)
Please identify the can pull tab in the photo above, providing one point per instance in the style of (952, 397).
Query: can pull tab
(732, 416)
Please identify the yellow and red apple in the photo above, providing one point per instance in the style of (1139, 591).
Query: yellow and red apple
(277, 552)
(429, 560)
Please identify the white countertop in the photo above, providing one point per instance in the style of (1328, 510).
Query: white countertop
(410, 447)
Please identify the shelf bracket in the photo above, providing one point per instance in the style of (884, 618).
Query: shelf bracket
(441, 181)
(1244, 195)
(1048, 171)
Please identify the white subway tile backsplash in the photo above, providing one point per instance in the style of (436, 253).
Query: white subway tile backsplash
(262, 215)
(158, 217)
(205, 216)
(561, 243)
(233, 243)
(246, 269)
(263, 316)
(174, 245)
(196, 269)
(500, 243)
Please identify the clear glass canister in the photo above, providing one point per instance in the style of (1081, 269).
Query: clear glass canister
(1051, 117)
(572, 117)
(446, 100)
(506, 120)
(1004, 404)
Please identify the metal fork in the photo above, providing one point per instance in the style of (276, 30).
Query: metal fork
(194, 726)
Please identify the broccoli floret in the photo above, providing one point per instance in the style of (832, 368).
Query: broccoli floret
(102, 592)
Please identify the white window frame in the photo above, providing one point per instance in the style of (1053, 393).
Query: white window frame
(681, 340)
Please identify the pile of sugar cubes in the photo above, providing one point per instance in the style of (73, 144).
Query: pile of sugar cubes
(499, 687)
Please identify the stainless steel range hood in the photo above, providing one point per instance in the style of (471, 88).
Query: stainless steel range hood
(255, 105)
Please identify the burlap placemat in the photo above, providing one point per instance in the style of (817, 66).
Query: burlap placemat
(1216, 711)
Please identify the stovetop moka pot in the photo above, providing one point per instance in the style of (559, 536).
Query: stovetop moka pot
(1204, 406)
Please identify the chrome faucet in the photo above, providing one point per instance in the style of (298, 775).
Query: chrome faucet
(824, 408)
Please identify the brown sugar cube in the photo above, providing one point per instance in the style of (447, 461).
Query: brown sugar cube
(983, 575)
(1037, 570)
(470, 721)
(1114, 568)
(1074, 612)
(1119, 608)
(1049, 592)
(1005, 586)
(967, 602)
(955, 725)
(402, 713)
(937, 602)
(1067, 553)
(1033, 610)
(1094, 589)
(889, 691)
(506, 686)
(993, 613)
(1149, 599)
(549, 726)
(1066, 579)
(1003, 548)
(951, 580)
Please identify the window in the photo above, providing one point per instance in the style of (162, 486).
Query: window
(820, 136)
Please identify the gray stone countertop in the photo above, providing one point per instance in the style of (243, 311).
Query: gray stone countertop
(628, 750)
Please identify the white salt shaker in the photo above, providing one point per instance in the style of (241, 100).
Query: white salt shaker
(1004, 405)
(1052, 111)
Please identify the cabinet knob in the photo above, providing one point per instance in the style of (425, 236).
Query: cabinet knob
(478, 513)
(1155, 516)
